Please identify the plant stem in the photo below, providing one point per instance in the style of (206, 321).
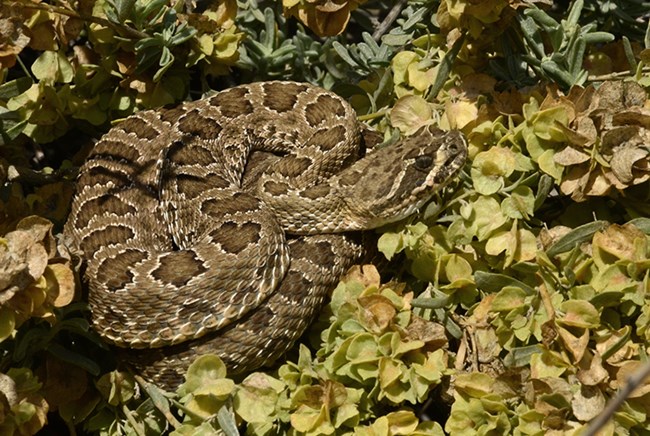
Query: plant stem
(388, 21)
(616, 75)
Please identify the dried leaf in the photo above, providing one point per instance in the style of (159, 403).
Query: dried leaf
(618, 340)
(324, 17)
(61, 284)
(591, 371)
(638, 117)
(626, 370)
(575, 137)
(14, 37)
(570, 156)
(367, 275)
(577, 345)
(588, 403)
(624, 160)
(616, 136)
(429, 332)
(378, 312)
(461, 113)
(410, 113)
(621, 242)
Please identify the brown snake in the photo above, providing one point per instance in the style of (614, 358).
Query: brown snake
(220, 225)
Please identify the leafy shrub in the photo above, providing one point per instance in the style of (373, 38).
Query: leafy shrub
(516, 302)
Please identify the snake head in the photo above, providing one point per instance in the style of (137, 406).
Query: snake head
(396, 181)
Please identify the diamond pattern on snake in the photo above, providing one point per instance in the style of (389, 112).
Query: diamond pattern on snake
(219, 226)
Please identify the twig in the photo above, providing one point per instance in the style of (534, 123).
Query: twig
(617, 75)
(388, 21)
(633, 382)
(134, 424)
(373, 115)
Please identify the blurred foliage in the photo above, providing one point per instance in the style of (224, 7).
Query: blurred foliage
(127, 55)
(324, 18)
(516, 303)
(619, 17)
(568, 42)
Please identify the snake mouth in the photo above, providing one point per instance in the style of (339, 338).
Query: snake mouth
(454, 155)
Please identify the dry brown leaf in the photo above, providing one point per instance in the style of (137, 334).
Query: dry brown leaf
(549, 332)
(577, 345)
(410, 113)
(14, 37)
(61, 284)
(574, 183)
(487, 345)
(367, 275)
(633, 94)
(40, 230)
(588, 403)
(482, 311)
(608, 96)
(625, 371)
(38, 418)
(8, 389)
(611, 178)
(591, 371)
(11, 270)
(44, 37)
(508, 102)
(581, 97)
(616, 136)
(628, 351)
(477, 84)
(623, 163)
(378, 312)
(585, 127)
(574, 137)
(638, 117)
(23, 247)
(619, 240)
(570, 156)
(324, 17)
(548, 237)
(429, 332)
(329, 6)
(598, 184)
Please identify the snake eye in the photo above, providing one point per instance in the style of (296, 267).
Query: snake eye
(423, 162)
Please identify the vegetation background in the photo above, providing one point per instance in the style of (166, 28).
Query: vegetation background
(517, 302)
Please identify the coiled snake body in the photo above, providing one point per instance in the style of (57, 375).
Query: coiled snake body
(220, 225)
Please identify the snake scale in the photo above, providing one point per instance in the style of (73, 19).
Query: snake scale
(221, 225)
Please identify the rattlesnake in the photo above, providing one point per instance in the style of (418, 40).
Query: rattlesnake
(220, 225)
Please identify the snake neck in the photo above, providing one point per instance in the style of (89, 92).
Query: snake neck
(348, 201)
(383, 187)
(322, 208)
